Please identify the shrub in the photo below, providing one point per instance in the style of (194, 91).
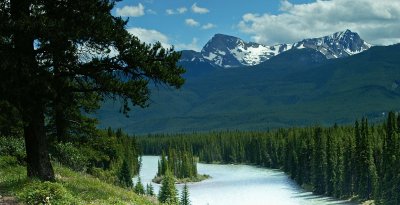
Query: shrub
(13, 146)
(47, 193)
(8, 161)
(104, 175)
(71, 156)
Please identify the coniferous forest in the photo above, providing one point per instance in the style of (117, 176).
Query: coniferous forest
(360, 161)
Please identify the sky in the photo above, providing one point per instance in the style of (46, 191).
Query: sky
(189, 24)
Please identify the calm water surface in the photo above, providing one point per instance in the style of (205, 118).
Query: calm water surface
(241, 185)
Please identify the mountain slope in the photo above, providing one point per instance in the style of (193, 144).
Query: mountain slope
(228, 51)
(277, 93)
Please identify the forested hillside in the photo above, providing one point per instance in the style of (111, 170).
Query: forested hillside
(295, 88)
(360, 161)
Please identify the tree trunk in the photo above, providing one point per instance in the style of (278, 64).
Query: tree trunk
(60, 121)
(31, 94)
(38, 160)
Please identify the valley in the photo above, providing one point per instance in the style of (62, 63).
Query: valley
(298, 87)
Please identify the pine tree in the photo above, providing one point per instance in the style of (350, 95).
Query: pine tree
(39, 66)
(391, 160)
(185, 196)
(367, 176)
(139, 189)
(320, 164)
(332, 162)
(168, 192)
(149, 190)
(125, 175)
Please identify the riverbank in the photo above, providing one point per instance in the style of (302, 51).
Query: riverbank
(70, 188)
(241, 184)
(198, 178)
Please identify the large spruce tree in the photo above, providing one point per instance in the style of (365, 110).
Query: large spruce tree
(56, 53)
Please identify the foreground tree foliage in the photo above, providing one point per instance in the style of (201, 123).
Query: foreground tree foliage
(61, 57)
(361, 161)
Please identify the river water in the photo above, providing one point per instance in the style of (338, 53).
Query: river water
(241, 185)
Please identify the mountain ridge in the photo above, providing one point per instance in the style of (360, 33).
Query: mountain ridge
(297, 88)
(228, 51)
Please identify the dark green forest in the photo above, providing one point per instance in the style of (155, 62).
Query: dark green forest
(360, 162)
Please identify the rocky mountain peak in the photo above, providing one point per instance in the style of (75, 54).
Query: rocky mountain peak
(229, 51)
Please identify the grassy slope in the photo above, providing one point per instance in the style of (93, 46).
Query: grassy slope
(84, 188)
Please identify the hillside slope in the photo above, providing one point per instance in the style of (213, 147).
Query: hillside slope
(295, 88)
(70, 187)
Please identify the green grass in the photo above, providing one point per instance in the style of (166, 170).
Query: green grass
(84, 189)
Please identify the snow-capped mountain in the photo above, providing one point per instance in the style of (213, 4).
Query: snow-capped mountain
(337, 45)
(228, 51)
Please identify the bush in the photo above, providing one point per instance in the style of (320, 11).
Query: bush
(47, 193)
(8, 161)
(13, 146)
(104, 175)
(71, 156)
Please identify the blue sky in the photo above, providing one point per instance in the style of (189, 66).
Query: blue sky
(189, 24)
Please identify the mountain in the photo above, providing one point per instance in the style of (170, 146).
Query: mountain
(298, 87)
(228, 51)
(337, 45)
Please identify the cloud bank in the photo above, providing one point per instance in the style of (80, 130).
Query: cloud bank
(377, 21)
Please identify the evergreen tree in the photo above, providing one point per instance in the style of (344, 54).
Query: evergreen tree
(320, 164)
(45, 58)
(332, 162)
(168, 192)
(139, 189)
(340, 169)
(125, 175)
(367, 175)
(185, 196)
(149, 190)
(391, 160)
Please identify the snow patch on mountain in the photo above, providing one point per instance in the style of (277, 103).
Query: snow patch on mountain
(229, 51)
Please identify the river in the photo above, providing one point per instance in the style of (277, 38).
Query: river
(241, 185)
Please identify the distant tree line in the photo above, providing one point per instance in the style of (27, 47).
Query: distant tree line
(361, 161)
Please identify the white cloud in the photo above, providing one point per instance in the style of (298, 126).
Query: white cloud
(134, 11)
(170, 12)
(191, 46)
(150, 36)
(376, 21)
(208, 26)
(180, 10)
(192, 22)
(199, 10)
(151, 11)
